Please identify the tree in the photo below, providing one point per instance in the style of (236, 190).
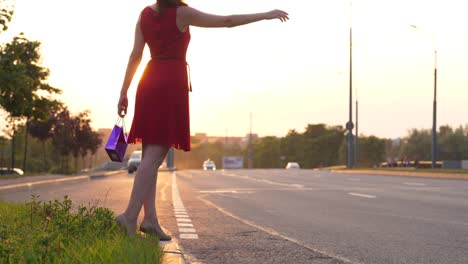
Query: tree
(62, 138)
(86, 139)
(371, 151)
(43, 130)
(452, 144)
(23, 85)
(6, 14)
(418, 144)
(292, 147)
(267, 153)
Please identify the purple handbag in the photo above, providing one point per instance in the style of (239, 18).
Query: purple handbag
(117, 142)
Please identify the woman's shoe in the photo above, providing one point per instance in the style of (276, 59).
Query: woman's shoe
(151, 230)
(128, 228)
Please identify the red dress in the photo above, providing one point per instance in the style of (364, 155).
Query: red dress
(162, 102)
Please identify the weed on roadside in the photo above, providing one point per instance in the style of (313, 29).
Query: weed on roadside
(51, 232)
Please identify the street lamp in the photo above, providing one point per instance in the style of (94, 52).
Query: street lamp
(349, 125)
(434, 109)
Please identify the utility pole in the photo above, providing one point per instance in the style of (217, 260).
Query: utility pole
(434, 115)
(349, 125)
(434, 107)
(356, 142)
(250, 158)
(170, 159)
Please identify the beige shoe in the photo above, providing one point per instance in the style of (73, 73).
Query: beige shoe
(151, 230)
(128, 228)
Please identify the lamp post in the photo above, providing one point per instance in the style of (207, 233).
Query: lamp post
(434, 109)
(349, 125)
(356, 141)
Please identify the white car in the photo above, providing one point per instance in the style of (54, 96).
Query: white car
(134, 161)
(209, 165)
(11, 171)
(292, 166)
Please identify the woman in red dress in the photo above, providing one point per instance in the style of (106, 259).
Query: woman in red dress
(161, 117)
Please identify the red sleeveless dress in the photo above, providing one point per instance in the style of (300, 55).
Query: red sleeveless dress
(162, 102)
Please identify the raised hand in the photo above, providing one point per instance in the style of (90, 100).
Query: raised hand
(277, 14)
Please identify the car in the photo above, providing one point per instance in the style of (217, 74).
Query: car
(209, 165)
(292, 166)
(11, 171)
(134, 161)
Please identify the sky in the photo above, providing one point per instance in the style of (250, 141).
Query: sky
(287, 75)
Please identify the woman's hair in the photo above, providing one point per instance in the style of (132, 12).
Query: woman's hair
(163, 4)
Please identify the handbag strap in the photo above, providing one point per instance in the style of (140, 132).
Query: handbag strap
(123, 124)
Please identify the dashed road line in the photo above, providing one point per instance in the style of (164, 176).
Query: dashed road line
(354, 179)
(362, 195)
(415, 184)
(184, 223)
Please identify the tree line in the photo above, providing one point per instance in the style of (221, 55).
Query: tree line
(321, 145)
(30, 110)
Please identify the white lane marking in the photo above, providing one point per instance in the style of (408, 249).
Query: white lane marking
(354, 179)
(184, 225)
(29, 184)
(273, 232)
(184, 220)
(219, 191)
(298, 186)
(185, 232)
(188, 236)
(362, 195)
(415, 184)
(181, 216)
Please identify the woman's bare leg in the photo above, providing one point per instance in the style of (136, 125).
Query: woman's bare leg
(149, 202)
(145, 178)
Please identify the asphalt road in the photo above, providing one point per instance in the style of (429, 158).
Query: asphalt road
(359, 218)
(302, 216)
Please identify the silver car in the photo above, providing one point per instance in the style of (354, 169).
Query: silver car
(134, 161)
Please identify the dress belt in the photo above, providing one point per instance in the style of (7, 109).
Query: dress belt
(179, 59)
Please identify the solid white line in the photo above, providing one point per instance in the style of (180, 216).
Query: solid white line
(272, 232)
(30, 184)
(362, 195)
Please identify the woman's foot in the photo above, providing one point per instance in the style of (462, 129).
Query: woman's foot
(155, 230)
(128, 227)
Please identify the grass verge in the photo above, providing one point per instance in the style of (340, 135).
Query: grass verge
(50, 232)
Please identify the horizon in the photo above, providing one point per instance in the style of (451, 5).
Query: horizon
(287, 74)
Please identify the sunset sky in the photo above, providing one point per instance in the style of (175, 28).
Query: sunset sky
(287, 74)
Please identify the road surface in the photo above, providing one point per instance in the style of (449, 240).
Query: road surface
(295, 216)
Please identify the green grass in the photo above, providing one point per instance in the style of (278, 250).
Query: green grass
(50, 232)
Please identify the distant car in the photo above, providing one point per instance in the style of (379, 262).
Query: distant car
(209, 165)
(292, 166)
(11, 171)
(134, 161)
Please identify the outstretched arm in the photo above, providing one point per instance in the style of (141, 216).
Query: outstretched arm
(132, 66)
(187, 16)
